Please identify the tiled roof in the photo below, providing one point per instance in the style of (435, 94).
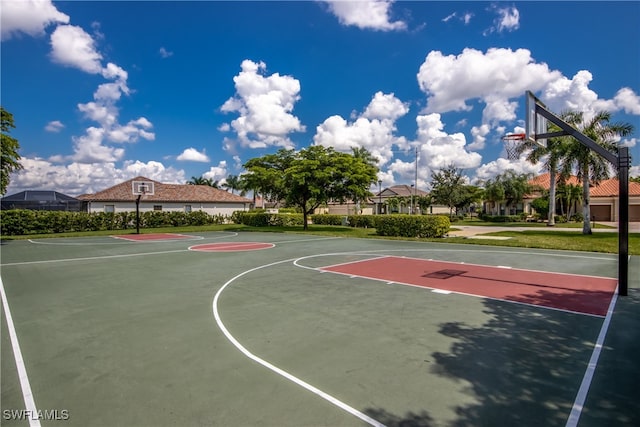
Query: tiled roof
(165, 193)
(606, 188)
(401, 191)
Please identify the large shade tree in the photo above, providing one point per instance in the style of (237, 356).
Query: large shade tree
(448, 187)
(311, 177)
(590, 167)
(10, 161)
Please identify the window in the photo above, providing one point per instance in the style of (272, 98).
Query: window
(157, 207)
(109, 208)
(187, 208)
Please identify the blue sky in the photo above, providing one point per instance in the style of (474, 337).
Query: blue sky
(105, 91)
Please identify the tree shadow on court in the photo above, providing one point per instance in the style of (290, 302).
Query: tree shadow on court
(410, 419)
(523, 366)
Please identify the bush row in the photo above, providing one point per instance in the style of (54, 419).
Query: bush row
(16, 222)
(413, 225)
(264, 219)
(501, 218)
(360, 221)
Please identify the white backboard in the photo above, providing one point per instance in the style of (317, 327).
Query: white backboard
(144, 188)
(535, 124)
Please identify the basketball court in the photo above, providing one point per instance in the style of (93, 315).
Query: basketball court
(244, 329)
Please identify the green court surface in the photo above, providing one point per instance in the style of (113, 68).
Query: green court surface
(211, 330)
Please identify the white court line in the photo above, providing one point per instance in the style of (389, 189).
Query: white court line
(578, 404)
(138, 254)
(53, 241)
(319, 269)
(274, 368)
(308, 240)
(27, 394)
(49, 261)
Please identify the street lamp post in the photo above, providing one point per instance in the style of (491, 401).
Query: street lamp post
(411, 207)
(379, 196)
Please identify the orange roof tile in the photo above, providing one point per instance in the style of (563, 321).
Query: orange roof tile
(166, 193)
(606, 188)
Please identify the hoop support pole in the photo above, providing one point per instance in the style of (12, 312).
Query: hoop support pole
(621, 162)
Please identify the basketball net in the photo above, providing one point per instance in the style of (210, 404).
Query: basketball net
(512, 143)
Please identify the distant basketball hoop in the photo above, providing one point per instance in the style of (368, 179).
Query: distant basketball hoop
(142, 188)
(512, 143)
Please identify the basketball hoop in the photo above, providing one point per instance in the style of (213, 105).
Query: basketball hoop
(512, 143)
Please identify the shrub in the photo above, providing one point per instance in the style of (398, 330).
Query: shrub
(577, 217)
(327, 219)
(263, 219)
(500, 218)
(560, 219)
(412, 225)
(21, 221)
(362, 221)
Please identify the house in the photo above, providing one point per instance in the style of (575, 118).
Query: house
(41, 200)
(395, 199)
(405, 195)
(604, 200)
(166, 197)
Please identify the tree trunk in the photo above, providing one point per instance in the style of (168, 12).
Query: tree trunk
(586, 211)
(552, 197)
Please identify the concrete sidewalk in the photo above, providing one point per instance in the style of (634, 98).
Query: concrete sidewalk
(473, 230)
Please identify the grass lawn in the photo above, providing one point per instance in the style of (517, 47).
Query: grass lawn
(543, 239)
(478, 222)
(563, 240)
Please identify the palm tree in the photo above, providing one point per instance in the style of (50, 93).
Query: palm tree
(573, 195)
(551, 154)
(233, 183)
(203, 181)
(589, 166)
(197, 181)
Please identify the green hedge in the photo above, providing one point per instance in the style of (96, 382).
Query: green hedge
(327, 219)
(412, 225)
(17, 222)
(264, 219)
(501, 218)
(359, 221)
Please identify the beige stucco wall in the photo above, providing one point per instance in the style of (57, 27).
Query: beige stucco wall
(210, 208)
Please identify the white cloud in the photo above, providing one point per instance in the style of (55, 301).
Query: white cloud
(217, 173)
(73, 47)
(265, 104)
(89, 148)
(165, 53)
(508, 19)
(54, 126)
(79, 178)
(479, 134)
(374, 129)
(365, 14)
(500, 165)
(193, 155)
(465, 17)
(495, 77)
(628, 101)
(436, 150)
(28, 16)
(574, 94)
(631, 142)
